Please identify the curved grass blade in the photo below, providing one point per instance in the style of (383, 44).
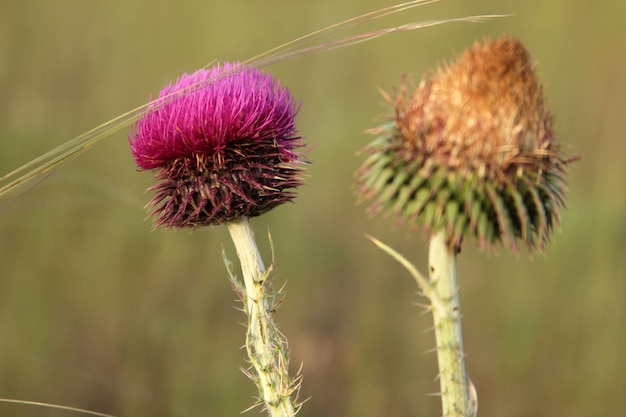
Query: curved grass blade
(297, 48)
(55, 406)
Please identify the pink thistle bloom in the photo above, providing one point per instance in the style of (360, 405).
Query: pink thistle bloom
(223, 143)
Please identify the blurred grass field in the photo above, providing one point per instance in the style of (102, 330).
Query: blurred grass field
(100, 312)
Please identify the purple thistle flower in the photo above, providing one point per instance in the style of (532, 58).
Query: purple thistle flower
(224, 143)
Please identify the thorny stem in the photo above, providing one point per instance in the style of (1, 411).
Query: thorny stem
(266, 346)
(458, 396)
(453, 381)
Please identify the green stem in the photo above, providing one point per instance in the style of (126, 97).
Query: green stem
(267, 348)
(456, 398)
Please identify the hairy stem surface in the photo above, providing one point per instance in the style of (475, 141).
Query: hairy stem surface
(455, 396)
(267, 348)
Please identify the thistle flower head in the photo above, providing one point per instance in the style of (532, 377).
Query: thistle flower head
(223, 144)
(471, 151)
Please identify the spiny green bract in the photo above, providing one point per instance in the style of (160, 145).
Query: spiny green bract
(471, 152)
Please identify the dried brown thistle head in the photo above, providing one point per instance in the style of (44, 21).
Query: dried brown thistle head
(471, 151)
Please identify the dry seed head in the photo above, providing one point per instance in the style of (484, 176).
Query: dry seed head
(471, 151)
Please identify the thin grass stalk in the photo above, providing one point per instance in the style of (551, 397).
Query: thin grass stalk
(40, 167)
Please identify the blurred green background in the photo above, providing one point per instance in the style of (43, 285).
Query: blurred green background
(98, 311)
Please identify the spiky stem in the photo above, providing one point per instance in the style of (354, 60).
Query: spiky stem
(458, 395)
(266, 346)
(456, 400)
